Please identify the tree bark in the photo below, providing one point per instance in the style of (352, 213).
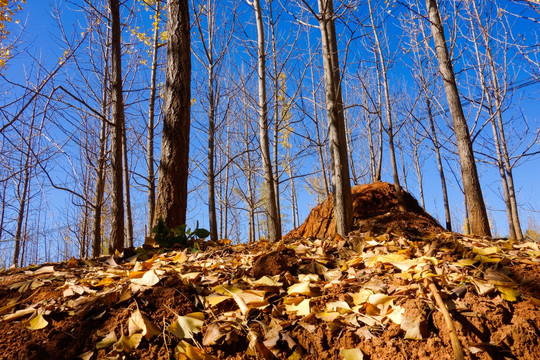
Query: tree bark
(150, 127)
(274, 229)
(471, 184)
(440, 167)
(117, 206)
(503, 158)
(171, 204)
(336, 122)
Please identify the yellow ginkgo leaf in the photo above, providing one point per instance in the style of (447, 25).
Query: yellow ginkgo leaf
(464, 262)
(396, 314)
(184, 350)
(486, 251)
(128, 343)
(301, 288)
(351, 354)
(385, 259)
(140, 323)
(185, 326)
(327, 316)
(302, 309)
(362, 296)
(107, 341)
(482, 287)
(266, 281)
(508, 293)
(339, 306)
(36, 323)
(149, 278)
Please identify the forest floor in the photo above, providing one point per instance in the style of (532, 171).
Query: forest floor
(383, 292)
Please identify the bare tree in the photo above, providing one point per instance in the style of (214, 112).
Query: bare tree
(495, 93)
(171, 204)
(336, 120)
(274, 225)
(117, 229)
(469, 174)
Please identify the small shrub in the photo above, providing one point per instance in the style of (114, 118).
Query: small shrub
(180, 235)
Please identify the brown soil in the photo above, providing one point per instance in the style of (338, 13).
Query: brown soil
(367, 292)
(375, 210)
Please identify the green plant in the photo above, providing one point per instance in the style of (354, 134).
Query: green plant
(181, 235)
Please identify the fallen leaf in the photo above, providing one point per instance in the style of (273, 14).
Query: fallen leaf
(107, 341)
(339, 306)
(396, 314)
(412, 327)
(138, 322)
(185, 326)
(18, 314)
(128, 343)
(44, 270)
(362, 296)
(36, 323)
(87, 355)
(241, 303)
(482, 287)
(486, 251)
(214, 299)
(149, 278)
(508, 293)
(351, 354)
(301, 309)
(266, 281)
(327, 316)
(184, 350)
(212, 335)
(301, 288)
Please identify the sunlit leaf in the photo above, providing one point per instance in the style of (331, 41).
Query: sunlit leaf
(36, 323)
(184, 350)
(185, 326)
(351, 354)
(107, 341)
(508, 293)
(486, 251)
(44, 270)
(301, 309)
(128, 343)
(138, 322)
(301, 288)
(149, 278)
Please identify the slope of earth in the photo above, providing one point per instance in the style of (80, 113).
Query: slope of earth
(371, 295)
(375, 209)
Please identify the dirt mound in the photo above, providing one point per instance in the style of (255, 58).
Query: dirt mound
(375, 209)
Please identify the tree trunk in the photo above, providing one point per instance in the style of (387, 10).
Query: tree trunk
(171, 204)
(388, 111)
(211, 176)
(100, 172)
(336, 122)
(117, 206)
(471, 184)
(440, 167)
(274, 230)
(492, 95)
(127, 194)
(277, 120)
(150, 126)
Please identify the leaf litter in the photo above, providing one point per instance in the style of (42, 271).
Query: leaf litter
(371, 295)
